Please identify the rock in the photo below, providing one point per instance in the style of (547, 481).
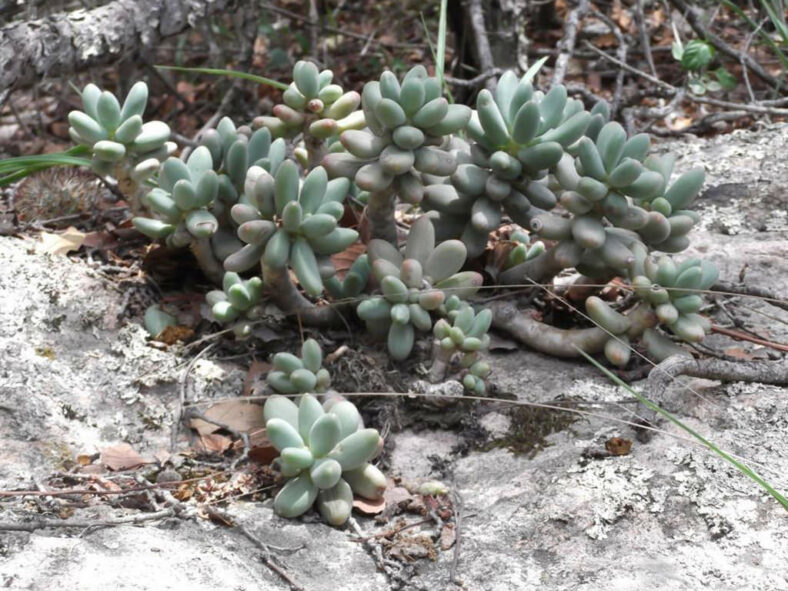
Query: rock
(557, 513)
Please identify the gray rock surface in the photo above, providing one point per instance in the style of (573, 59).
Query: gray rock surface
(561, 514)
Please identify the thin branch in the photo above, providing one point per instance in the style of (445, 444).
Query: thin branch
(481, 41)
(695, 20)
(567, 44)
(644, 37)
(762, 372)
(31, 526)
(760, 293)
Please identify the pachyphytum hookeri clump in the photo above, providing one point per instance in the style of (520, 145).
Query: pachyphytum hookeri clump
(325, 454)
(235, 150)
(465, 333)
(298, 375)
(407, 124)
(414, 284)
(316, 109)
(289, 224)
(237, 302)
(183, 200)
(116, 133)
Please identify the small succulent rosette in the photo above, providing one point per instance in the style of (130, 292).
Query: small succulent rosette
(299, 375)
(325, 455)
(414, 284)
(115, 133)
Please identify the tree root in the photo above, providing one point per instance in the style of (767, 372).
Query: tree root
(290, 301)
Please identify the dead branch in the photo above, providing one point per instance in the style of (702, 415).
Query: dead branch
(567, 44)
(760, 293)
(481, 45)
(695, 19)
(62, 44)
(31, 526)
(762, 372)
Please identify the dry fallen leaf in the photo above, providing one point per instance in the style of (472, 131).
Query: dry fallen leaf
(173, 334)
(345, 259)
(256, 371)
(617, 446)
(368, 507)
(739, 353)
(213, 443)
(121, 457)
(236, 414)
(62, 243)
(448, 536)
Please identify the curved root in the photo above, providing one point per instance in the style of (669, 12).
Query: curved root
(561, 342)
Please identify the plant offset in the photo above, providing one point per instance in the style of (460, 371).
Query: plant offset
(569, 188)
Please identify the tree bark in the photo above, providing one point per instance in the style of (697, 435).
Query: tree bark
(62, 44)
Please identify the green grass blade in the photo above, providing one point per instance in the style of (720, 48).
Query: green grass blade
(440, 53)
(763, 35)
(230, 74)
(13, 169)
(743, 468)
(777, 21)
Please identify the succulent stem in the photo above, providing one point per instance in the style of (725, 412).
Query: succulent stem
(315, 148)
(540, 269)
(130, 188)
(561, 342)
(290, 301)
(210, 265)
(440, 362)
(380, 213)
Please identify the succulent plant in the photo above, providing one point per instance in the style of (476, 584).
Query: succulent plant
(237, 302)
(615, 197)
(315, 107)
(285, 223)
(407, 124)
(294, 375)
(182, 201)
(324, 453)
(157, 320)
(235, 150)
(413, 285)
(518, 135)
(674, 290)
(116, 133)
(466, 334)
(522, 250)
(354, 282)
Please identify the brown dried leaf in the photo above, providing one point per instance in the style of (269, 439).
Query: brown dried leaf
(448, 536)
(173, 334)
(256, 371)
(121, 457)
(617, 446)
(62, 243)
(368, 507)
(345, 259)
(236, 414)
(739, 353)
(213, 443)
